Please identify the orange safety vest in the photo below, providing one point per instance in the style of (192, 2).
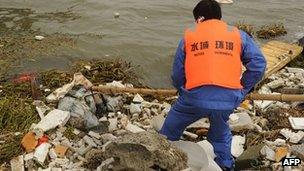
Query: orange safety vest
(213, 55)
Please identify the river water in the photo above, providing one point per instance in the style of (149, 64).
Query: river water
(146, 33)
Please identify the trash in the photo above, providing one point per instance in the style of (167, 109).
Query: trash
(89, 141)
(241, 122)
(249, 158)
(268, 152)
(225, 1)
(237, 145)
(135, 108)
(190, 135)
(61, 150)
(53, 119)
(94, 134)
(116, 15)
(52, 153)
(29, 142)
(116, 84)
(17, 164)
(276, 84)
(280, 153)
(208, 148)
(39, 37)
(133, 128)
(41, 108)
(277, 142)
(296, 123)
(138, 99)
(295, 70)
(202, 123)
(298, 150)
(198, 158)
(41, 152)
(234, 118)
(114, 103)
(292, 136)
(28, 156)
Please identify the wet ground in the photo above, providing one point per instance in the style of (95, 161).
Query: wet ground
(146, 32)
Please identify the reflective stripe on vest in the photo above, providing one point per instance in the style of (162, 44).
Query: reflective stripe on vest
(213, 55)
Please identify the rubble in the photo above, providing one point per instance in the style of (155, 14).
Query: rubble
(296, 123)
(29, 142)
(292, 136)
(240, 121)
(17, 164)
(53, 119)
(237, 145)
(41, 152)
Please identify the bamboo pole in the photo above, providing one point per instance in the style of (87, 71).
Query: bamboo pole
(173, 92)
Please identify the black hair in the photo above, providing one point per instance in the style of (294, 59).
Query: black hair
(209, 9)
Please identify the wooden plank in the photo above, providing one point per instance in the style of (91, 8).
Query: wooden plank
(278, 54)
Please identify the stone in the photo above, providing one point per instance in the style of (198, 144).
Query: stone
(249, 157)
(53, 119)
(89, 141)
(280, 153)
(94, 134)
(113, 124)
(61, 150)
(17, 163)
(107, 137)
(138, 99)
(237, 145)
(244, 122)
(157, 122)
(103, 119)
(292, 136)
(83, 149)
(135, 108)
(114, 103)
(276, 83)
(298, 150)
(268, 152)
(296, 123)
(133, 128)
(41, 152)
(29, 142)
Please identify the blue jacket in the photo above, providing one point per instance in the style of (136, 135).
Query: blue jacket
(215, 97)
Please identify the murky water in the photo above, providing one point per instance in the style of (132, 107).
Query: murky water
(146, 33)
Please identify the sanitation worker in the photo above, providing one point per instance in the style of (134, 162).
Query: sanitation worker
(207, 72)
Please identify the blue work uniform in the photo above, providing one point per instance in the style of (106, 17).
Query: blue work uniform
(214, 102)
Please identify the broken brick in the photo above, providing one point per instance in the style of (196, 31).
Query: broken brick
(29, 142)
(61, 150)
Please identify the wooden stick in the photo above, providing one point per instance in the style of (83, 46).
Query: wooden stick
(173, 92)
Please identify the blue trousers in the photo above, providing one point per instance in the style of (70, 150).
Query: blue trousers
(219, 134)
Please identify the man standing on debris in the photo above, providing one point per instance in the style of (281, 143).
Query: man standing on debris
(207, 72)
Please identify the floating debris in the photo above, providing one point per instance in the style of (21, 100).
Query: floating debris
(271, 31)
(248, 28)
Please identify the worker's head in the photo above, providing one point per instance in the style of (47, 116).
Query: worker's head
(206, 10)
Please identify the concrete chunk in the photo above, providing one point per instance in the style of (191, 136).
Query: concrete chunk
(133, 128)
(113, 124)
(89, 141)
(138, 99)
(53, 119)
(94, 134)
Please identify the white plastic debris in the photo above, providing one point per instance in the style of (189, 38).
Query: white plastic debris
(292, 136)
(41, 152)
(138, 99)
(268, 152)
(39, 37)
(208, 148)
(198, 158)
(237, 145)
(202, 123)
(133, 128)
(296, 123)
(28, 156)
(116, 14)
(277, 142)
(41, 108)
(17, 163)
(116, 84)
(53, 119)
(225, 1)
(233, 118)
(52, 153)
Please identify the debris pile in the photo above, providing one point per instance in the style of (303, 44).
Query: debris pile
(76, 128)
